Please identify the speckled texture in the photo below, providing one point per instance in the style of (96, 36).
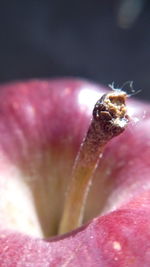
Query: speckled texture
(118, 239)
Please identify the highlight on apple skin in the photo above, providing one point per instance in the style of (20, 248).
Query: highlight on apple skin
(42, 124)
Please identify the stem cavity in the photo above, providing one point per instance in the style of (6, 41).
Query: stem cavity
(109, 120)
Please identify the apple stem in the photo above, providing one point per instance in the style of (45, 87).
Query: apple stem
(109, 119)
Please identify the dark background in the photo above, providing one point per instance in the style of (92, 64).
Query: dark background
(102, 40)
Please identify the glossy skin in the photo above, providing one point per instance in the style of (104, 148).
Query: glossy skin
(41, 127)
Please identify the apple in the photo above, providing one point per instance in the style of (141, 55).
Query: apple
(42, 125)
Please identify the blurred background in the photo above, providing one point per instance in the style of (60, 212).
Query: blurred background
(101, 40)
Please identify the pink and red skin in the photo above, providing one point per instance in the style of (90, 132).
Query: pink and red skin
(41, 116)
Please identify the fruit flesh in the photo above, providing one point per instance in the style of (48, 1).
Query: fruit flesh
(37, 122)
(118, 238)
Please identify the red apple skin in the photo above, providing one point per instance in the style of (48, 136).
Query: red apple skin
(50, 118)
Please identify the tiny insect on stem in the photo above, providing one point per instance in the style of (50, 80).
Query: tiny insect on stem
(109, 120)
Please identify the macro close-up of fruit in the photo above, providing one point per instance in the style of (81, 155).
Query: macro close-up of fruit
(42, 127)
(74, 133)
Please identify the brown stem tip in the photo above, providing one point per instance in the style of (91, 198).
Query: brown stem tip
(111, 112)
(109, 120)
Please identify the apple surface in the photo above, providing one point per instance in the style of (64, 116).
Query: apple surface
(42, 125)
